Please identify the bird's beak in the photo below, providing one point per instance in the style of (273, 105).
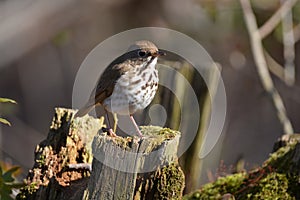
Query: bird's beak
(159, 53)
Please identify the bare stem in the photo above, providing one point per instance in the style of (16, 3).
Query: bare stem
(271, 24)
(288, 46)
(261, 64)
(297, 32)
(274, 66)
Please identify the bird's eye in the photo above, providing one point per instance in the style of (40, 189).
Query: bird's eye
(142, 53)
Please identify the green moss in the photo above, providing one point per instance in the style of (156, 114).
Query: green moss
(242, 186)
(273, 186)
(279, 158)
(170, 182)
(41, 161)
(155, 134)
(216, 190)
(122, 142)
(168, 133)
(167, 182)
(28, 190)
(278, 178)
(165, 133)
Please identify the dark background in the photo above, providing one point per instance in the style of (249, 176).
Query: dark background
(43, 43)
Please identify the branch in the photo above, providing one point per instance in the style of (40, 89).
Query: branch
(288, 46)
(270, 25)
(297, 32)
(274, 66)
(261, 64)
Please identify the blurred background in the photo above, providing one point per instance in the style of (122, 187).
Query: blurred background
(43, 43)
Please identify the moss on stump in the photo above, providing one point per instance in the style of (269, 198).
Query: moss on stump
(278, 178)
(70, 141)
(135, 168)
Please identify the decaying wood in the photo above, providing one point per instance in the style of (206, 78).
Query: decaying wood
(50, 177)
(121, 167)
(127, 168)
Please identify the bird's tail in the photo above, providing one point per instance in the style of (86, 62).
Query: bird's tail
(84, 110)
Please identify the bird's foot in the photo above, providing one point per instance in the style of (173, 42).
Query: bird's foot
(112, 133)
(109, 131)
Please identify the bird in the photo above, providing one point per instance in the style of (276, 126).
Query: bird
(128, 84)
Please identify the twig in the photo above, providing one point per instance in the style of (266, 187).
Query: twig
(297, 32)
(261, 64)
(270, 25)
(274, 66)
(288, 46)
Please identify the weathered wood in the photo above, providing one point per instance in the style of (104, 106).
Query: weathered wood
(134, 168)
(51, 178)
(123, 168)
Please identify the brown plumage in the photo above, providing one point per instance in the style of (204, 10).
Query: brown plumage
(128, 84)
(104, 87)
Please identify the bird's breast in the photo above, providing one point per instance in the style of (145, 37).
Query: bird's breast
(134, 90)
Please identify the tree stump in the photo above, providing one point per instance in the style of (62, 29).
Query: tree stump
(122, 168)
(51, 178)
(134, 168)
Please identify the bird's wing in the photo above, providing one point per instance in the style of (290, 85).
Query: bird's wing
(106, 83)
(103, 89)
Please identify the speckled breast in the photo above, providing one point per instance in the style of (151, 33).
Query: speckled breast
(134, 90)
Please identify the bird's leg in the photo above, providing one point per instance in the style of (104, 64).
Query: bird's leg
(109, 129)
(115, 121)
(136, 126)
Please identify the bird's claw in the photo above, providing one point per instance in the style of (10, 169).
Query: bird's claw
(109, 131)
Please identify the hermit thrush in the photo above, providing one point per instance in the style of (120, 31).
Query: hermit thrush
(128, 84)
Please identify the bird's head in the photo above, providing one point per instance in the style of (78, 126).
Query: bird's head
(145, 49)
